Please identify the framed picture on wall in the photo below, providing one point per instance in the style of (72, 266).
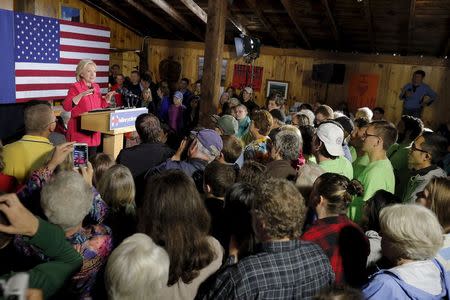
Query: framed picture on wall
(223, 73)
(280, 87)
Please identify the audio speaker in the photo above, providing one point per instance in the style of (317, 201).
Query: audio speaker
(329, 73)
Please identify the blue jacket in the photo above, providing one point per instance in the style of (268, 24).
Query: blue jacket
(415, 100)
(386, 285)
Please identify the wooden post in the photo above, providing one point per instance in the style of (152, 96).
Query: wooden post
(214, 40)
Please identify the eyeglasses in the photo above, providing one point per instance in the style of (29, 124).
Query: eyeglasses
(366, 135)
(414, 148)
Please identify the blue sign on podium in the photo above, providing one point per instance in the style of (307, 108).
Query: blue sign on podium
(125, 117)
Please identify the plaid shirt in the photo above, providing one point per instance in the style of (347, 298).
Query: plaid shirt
(280, 270)
(340, 238)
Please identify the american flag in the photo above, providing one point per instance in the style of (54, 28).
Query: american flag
(45, 54)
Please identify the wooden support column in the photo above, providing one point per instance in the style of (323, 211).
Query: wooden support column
(214, 40)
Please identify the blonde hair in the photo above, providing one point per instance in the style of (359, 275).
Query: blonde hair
(410, 231)
(439, 195)
(101, 162)
(365, 113)
(82, 65)
(117, 188)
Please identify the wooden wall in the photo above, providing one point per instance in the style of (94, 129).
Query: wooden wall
(295, 66)
(121, 37)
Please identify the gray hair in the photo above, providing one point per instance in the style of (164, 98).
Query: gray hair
(288, 144)
(205, 151)
(410, 231)
(309, 114)
(137, 269)
(37, 117)
(364, 112)
(307, 175)
(66, 199)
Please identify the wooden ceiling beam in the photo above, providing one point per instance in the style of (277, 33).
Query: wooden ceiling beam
(256, 7)
(196, 10)
(202, 15)
(146, 12)
(369, 21)
(411, 23)
(166, 7)
(288, 6)
(332, 22)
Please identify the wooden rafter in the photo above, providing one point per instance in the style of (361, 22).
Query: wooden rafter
(288, 6)
(332, 21)
(369, 21)
(179, 18)
(411, 22)
(145, 12)
(196, 10)
(256, 7)
(202, 15)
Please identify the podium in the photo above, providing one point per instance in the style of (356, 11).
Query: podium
(113, 124)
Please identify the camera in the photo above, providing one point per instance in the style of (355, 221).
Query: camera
(15, 288)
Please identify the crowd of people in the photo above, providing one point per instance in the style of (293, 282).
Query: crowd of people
(273, 202)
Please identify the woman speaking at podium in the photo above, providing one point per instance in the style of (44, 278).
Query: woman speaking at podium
(83, 96)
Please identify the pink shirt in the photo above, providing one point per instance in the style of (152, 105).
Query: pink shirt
(87, 103)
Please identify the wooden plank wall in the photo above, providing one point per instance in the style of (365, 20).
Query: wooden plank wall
(121, 37)
(297, 69)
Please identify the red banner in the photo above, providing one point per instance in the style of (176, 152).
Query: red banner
(242, 77)
(363, 90)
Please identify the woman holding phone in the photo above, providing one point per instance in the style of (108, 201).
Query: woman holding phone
(83, 96)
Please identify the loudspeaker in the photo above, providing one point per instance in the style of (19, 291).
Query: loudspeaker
(329, 73)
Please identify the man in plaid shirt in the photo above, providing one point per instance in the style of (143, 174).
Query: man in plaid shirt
(283, 267)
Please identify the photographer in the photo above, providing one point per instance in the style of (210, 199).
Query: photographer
(63, 259)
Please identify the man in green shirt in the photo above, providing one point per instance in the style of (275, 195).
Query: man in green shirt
(409, 128)
(327, 148)
(63, 259)
(379, 174)
(359, 157)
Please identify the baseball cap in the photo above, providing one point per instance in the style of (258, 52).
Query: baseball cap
(210, 140)
(332, 137)
(178, 95)
(248, 90)
(227, 123)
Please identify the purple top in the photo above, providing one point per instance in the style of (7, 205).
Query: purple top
(176, 117)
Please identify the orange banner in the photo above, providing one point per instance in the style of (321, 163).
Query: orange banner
(363, 91)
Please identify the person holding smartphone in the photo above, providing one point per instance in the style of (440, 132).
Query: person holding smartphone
(83, 96)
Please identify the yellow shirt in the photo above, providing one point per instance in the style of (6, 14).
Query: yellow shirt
(26, 155)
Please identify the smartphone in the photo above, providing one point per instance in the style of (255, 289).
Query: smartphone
(80, 155)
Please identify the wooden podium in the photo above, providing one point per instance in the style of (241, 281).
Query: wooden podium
(113, 124)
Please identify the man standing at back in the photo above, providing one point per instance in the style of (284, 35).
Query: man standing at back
(416, 95)
(378, 174)
(33, 149)
(283, 267)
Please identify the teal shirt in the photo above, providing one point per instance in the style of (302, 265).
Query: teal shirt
(378, 175)
(340, 165)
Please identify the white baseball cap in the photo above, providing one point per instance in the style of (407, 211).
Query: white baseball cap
(248, 90)
(332, 137)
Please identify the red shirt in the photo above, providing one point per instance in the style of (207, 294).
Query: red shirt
(346, 246)
(87, 103)
(8, 184)
(118, 96)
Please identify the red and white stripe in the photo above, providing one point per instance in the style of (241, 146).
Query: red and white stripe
(49, 81)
